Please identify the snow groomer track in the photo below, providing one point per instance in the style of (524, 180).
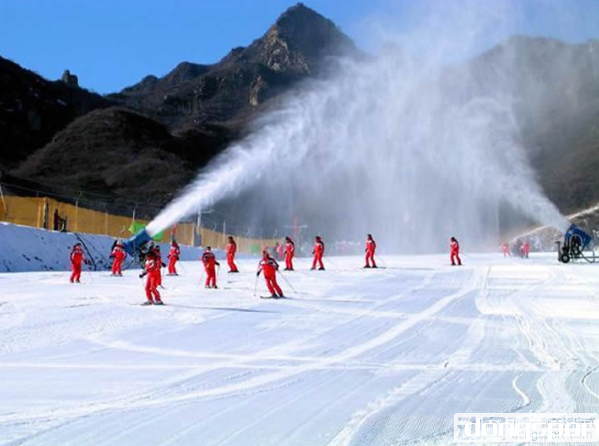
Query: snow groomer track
(353, 357)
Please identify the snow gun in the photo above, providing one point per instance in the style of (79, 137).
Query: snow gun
(135, 244)
(576, 241)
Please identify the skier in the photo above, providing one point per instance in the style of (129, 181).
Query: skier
(370, 248)
(231, 250)
(280, 252)
(173, 258)
(289, 253)
(152, 270)
(318, 253)
(156, 250)
(270, 268)
(455, 252)
(210, 263)
(505, 249)
(77, 258)
(119, 255)
(525, 249)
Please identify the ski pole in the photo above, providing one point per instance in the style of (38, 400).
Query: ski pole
(287, 282)
(89, 273)
(91, 277)
(255, 286)
(183, 268)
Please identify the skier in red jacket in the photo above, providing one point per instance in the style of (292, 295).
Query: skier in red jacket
(370, 249)
(505, 250)
(280, 251)
(77, 258)
(173, 257)
(156, 250)
(269, 266)
(525, 249)
(118, 254)
(455, 252)
(231, 251)
(210, 263)
(318, 253)
(152, 270)
(289, 253)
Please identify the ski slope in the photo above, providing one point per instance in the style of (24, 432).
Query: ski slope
(353, 357)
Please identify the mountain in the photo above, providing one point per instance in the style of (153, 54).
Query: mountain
(121, 154)
(172, 125)
(295, 47)
(555, 93)
(114, 152)
(33, 109)
(178, 122)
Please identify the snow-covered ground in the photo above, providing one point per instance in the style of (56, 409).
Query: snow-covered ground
(353, 357)
(23, 248)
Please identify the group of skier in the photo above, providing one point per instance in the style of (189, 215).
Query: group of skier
(518, 249)
(152, 263)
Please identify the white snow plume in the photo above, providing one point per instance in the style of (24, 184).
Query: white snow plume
(399, 145)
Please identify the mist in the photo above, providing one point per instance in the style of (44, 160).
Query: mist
(410, 144)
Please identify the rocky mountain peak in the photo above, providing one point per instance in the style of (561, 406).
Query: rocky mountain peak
(299, 39)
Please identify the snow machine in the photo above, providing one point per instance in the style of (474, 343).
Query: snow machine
(577, 245)
(134, 246)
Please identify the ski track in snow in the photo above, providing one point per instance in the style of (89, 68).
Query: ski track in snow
(358, 357)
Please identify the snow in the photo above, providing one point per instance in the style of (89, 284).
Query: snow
(354, 357)
(23, 248)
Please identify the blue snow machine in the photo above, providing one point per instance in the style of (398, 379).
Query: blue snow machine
(576, 242)
(135, 245)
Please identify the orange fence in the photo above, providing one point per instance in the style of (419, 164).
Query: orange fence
(48, 213)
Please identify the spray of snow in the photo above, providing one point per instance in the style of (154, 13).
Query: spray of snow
(399, 145)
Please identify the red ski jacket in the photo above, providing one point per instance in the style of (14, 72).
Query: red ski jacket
(209, 260)
(269, 266)
(370, 245)
(289, 248)
(174, 252)
(319, 248)
(77, 255)
(231, 248)
(152, 266)
(119, 253)
(455, 247)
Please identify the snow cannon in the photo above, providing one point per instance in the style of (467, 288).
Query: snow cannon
(576, 242)
(135, 243)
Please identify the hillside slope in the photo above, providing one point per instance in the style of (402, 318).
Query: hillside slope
(33, 110)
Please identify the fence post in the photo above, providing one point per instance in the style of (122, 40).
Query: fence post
(77, 211)
(105, 219)
(4, 207)
(46, 211)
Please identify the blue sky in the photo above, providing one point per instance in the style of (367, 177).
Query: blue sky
(110, 44)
